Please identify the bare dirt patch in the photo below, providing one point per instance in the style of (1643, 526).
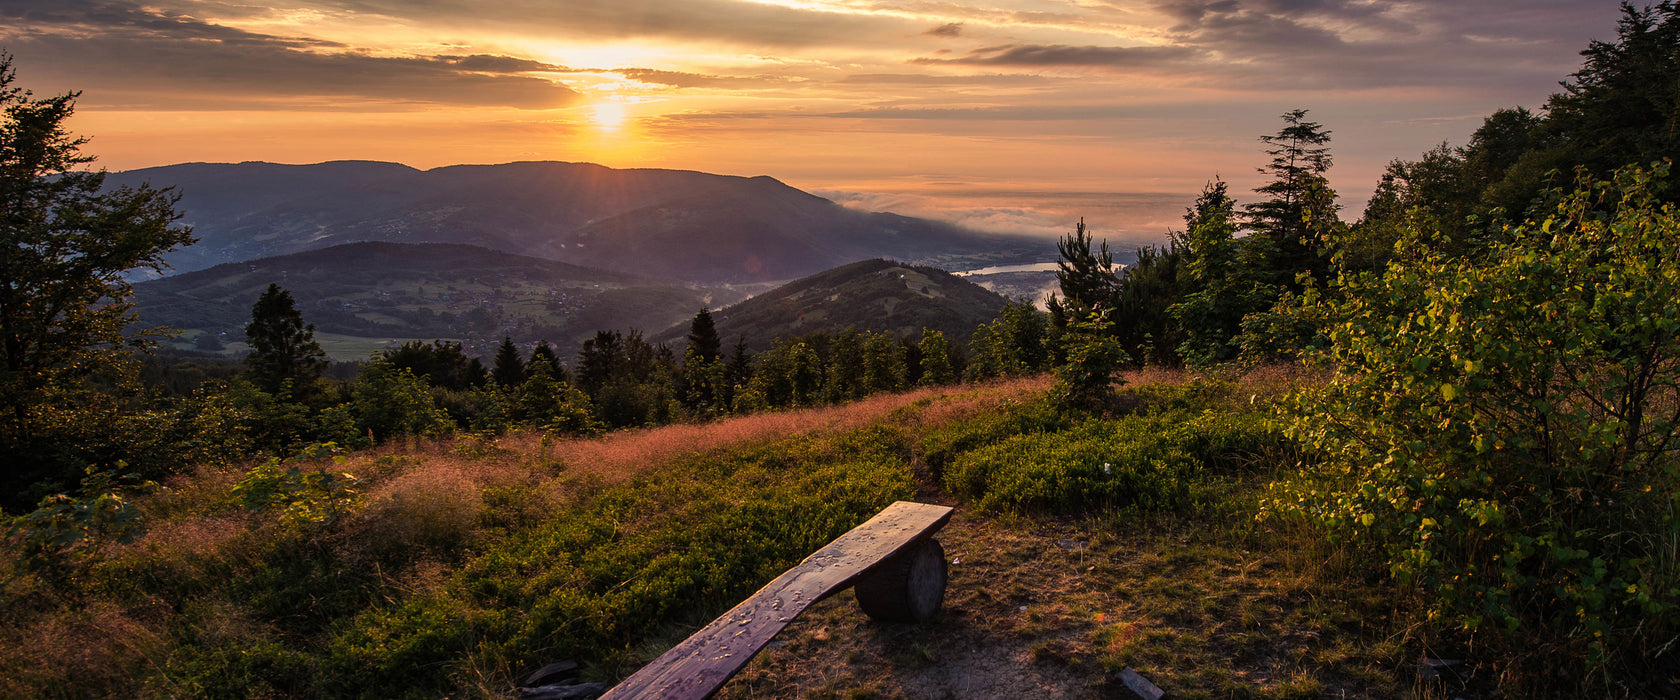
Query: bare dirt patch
(1056, 608)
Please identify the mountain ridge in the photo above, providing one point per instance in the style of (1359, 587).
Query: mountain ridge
(681, 224)
(367, 295)
(877, 295)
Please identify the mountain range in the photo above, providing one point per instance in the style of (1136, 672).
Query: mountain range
(666, 224)
(363, 297)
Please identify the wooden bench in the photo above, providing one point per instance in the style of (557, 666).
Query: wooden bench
(898, 569)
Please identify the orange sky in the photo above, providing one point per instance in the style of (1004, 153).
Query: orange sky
(1017, 115)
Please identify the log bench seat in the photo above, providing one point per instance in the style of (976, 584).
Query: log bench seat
(895, 565)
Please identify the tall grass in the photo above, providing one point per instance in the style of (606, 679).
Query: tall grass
(463, 563)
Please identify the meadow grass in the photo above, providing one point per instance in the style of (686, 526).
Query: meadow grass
(461, 564)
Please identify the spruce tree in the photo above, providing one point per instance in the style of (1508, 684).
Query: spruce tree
(703, 337)
(509, 368)
(737, 371)
(545, 355)
(283, 350)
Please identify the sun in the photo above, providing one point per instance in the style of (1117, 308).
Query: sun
(608, 115)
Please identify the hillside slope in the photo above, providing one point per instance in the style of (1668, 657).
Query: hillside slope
(872, 295)
(679, 224)
(384, 291)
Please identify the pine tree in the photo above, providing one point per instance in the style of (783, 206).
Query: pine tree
(1087, 282)
(1086, 276)
(283, 350)
(703, 337)
(702, 368)
(1299, 161)
(509, 368)
(1623, 106)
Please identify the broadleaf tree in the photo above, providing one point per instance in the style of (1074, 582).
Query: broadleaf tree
(66, 242)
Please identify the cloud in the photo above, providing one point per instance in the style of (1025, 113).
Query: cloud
(739, 22)
(927, 80)
(1058, 55)
(1124, 219)
(1319, 44)
(949, 30)
(691, 80)
(153, 58)
(485, 63)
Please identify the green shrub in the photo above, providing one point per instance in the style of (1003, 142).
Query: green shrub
(1502, 431)
(1087, 378)
(62, 535)
(1153, 461)
(301, 496)
(1141, 461)
(598, 576)
(943, 445)
(389, 401)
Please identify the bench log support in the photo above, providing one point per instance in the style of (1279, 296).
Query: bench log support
(899, 570)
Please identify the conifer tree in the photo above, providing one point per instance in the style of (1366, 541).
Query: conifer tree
(1221, 278)
(283, 349)
(509, 368)
(1299, 161)
(703, 338)
(737, 372)
(545, 354)
(1087, 280)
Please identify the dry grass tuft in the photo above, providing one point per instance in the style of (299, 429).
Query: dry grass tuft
(620, 456)
(197, 538)
(432, 506)
(92, 650)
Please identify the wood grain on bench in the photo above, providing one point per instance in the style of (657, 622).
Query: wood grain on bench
(702, 663)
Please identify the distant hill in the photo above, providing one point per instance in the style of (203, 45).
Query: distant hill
(363, 296)
(873, 295)
(677, 224)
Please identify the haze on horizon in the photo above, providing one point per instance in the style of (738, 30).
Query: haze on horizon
(1008, 115)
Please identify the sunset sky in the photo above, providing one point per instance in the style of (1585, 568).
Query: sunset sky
(1016, 115)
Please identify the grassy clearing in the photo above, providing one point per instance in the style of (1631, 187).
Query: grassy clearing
(1063, 574)
(454, 567)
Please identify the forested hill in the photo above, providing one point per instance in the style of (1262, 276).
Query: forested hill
(677, 224)
(384, 291)
(882, 296)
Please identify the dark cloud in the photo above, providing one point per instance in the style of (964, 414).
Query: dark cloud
(1515, 46)
(157, 59)
(1094, 56)
(1520, 45)
(731, 21)
(948, 30)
